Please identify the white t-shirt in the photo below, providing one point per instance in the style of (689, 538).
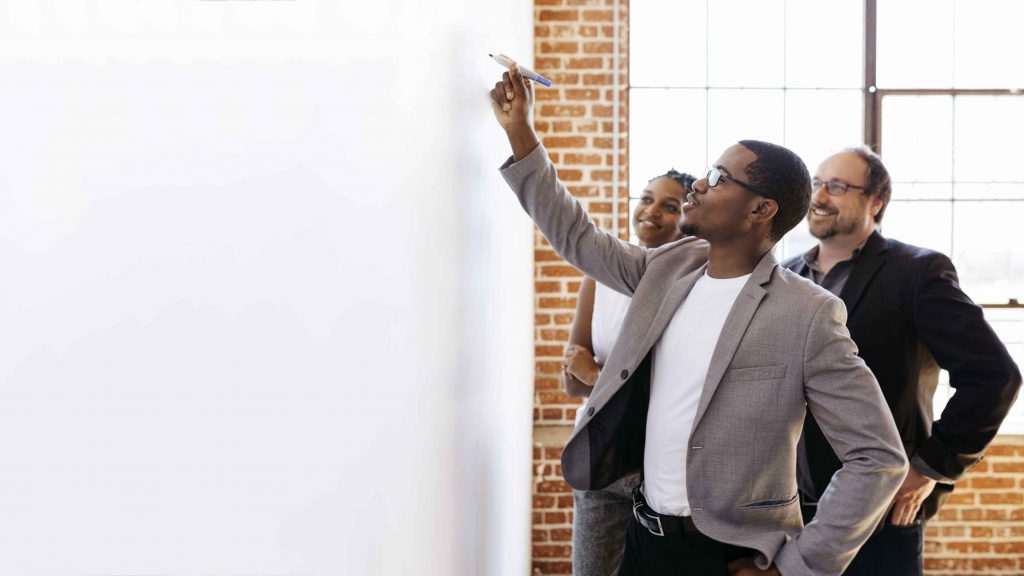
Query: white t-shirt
(681, 360)
(609, 310)
(605, 324)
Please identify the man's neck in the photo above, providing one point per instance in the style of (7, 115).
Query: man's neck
(733, 261)
(836, 249)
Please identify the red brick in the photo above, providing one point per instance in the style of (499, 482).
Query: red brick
(598, 16)
(602, 79)
(1001, 450)
(582, 94)
(563, 30)
(969, 547)
(551, 486)
(549, 367)
(563, 110)
(960, 498)
(542, 31)
(547, 255)
(561, 534)
(551, 567)
(555, 518)
(553, 397)
(1008, 548)
(993, 563)
(559, 47)
(565, 502)
(543, 501)
(565, 142)
(1002, 498)
(552, 551)
(1011, 467)
(565, 78)
(546, 384)
(559, 271)
(958, 564)
(551, 414)
(992, 482)
(585, 63)
(549, 351)
(563, 319)
(545, 63)
(555, 335)
(559, 15)
(599, 48)
(540, 535)
(558, 303)
(551, 95)
(547, 287)
(585, 159)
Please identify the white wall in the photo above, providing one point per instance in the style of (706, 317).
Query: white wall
(265, 303)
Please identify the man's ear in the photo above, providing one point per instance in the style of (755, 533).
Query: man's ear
(876, 205)
(764, 210)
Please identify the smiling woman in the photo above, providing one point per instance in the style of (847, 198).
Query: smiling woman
(600, 517)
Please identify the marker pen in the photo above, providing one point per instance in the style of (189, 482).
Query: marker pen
(526, 72)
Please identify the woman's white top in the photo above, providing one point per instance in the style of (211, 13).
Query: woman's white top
(609, 311)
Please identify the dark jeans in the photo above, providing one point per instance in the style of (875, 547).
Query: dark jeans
(893, 550)
(676, 554)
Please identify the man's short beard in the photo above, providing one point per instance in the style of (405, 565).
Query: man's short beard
(688, 229)
(824, 234)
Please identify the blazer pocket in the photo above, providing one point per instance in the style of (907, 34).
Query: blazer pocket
(773, 503)
(755, 373)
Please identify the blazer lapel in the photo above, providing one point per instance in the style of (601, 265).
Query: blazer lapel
(736, 323)
(669, 304)
(870, 260)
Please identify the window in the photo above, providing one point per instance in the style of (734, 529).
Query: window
(930, 83)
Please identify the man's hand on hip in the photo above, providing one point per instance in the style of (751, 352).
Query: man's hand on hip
(916, 487)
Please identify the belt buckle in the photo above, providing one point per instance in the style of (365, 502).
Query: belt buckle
(647, 524)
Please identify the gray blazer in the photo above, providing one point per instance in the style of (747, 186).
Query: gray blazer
(784, 348)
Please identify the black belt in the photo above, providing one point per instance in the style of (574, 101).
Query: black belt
(660, 524)
(808, 501)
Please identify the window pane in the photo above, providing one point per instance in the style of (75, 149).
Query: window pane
(927, 224)
(988, 131)
(920, 191)
(819, 122)
(989, 44)
(825, 43)
(666, 130)
(746, 43)
(972, 191)
(989, 250)
(796, 241)
(668, 43)
(917, 137)
(915, 44)
(735, 115)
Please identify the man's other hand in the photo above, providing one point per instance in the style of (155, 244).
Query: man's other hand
(916, 487)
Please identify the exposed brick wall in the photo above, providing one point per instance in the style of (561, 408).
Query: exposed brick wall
(980, 531)
(573, 43)
(981, 528)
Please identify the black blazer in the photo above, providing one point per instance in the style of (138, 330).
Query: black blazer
(907, 313)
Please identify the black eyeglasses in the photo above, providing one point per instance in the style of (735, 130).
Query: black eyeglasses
(714, 176)
(833, 187)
